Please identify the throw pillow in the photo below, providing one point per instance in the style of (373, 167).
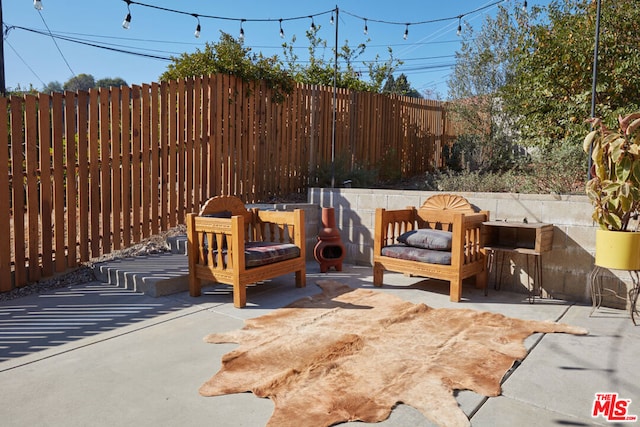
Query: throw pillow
(427, 238)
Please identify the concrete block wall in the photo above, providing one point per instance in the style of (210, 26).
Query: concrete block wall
(565, 270)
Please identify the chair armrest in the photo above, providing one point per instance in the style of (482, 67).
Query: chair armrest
(389, 224)
(281, 227)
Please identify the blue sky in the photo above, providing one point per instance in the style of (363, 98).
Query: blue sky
(33, 58)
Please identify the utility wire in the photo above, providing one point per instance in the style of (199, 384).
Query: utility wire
(56, 43)
(24, 62)
(164, 58)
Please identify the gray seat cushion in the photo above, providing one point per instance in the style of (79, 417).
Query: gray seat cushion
(411, 253)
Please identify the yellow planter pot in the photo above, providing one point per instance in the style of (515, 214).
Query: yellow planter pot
(619, 250)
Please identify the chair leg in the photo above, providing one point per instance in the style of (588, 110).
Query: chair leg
(301, 278)
(455, 290)
(482, 280)
(378, 273)
(195, 285)
(239, 295)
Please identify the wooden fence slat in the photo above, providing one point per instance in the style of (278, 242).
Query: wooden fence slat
(17, 190)
(58, 181)
(188, 147)
(146, 160)
(199, 112)
(181, 148)
(105, 171)
(164, 151)
(136, 141)
(116, 169)
(125, 189)
(6, 284)
(83, 174)
(173, 161)
(46, 201)
(155, 159)
(33, 210)
(70, 179)
(94, 169)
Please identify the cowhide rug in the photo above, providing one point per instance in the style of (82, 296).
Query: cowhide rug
(346, 355)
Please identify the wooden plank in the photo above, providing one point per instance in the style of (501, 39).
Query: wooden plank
(237, 167)
(31, 145)
(46, 200)
(83, 174)
(5, 205)
(105, 171)
(216, 149)
(57, 125)
(199, 116)
(155, 158)
(125, 111)
(116, 169)
(164, 152)
(135, 163)
(223, 104)
(235, 123)
(181, 147)
(189, 133)
(172, 141)
(17, 189)
(250, 142)
(146, 159)
(94, 169)
(70, 176)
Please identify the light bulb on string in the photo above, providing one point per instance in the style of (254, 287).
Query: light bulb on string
(406, 32)
(331, 21)
(459, 25)
(127, 21)
(241, 36)
(313, 24)
(37, 4)
(281, 30)
(366, 30)
(198, 28)
(524, 6)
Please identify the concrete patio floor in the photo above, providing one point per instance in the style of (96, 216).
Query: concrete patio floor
(100, 355)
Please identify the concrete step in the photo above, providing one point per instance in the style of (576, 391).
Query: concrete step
(154, 275)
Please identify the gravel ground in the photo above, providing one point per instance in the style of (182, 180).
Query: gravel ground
(84, 273)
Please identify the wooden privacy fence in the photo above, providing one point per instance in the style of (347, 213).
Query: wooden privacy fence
(87, 173)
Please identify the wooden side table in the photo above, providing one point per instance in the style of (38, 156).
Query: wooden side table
(529, 239)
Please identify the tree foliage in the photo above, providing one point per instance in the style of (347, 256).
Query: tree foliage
(53, 86)
(229, 56)
(483, 66)
(111, 82)
(549, 91)
(322, 70)
(400, 86)
(80, 82)
(525, 79)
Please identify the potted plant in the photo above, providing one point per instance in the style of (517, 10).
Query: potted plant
(614, 191)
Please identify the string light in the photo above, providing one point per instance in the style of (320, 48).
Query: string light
(197, 32)
(127, 21)
(333, 14)
(524, 6)
(37, 4)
